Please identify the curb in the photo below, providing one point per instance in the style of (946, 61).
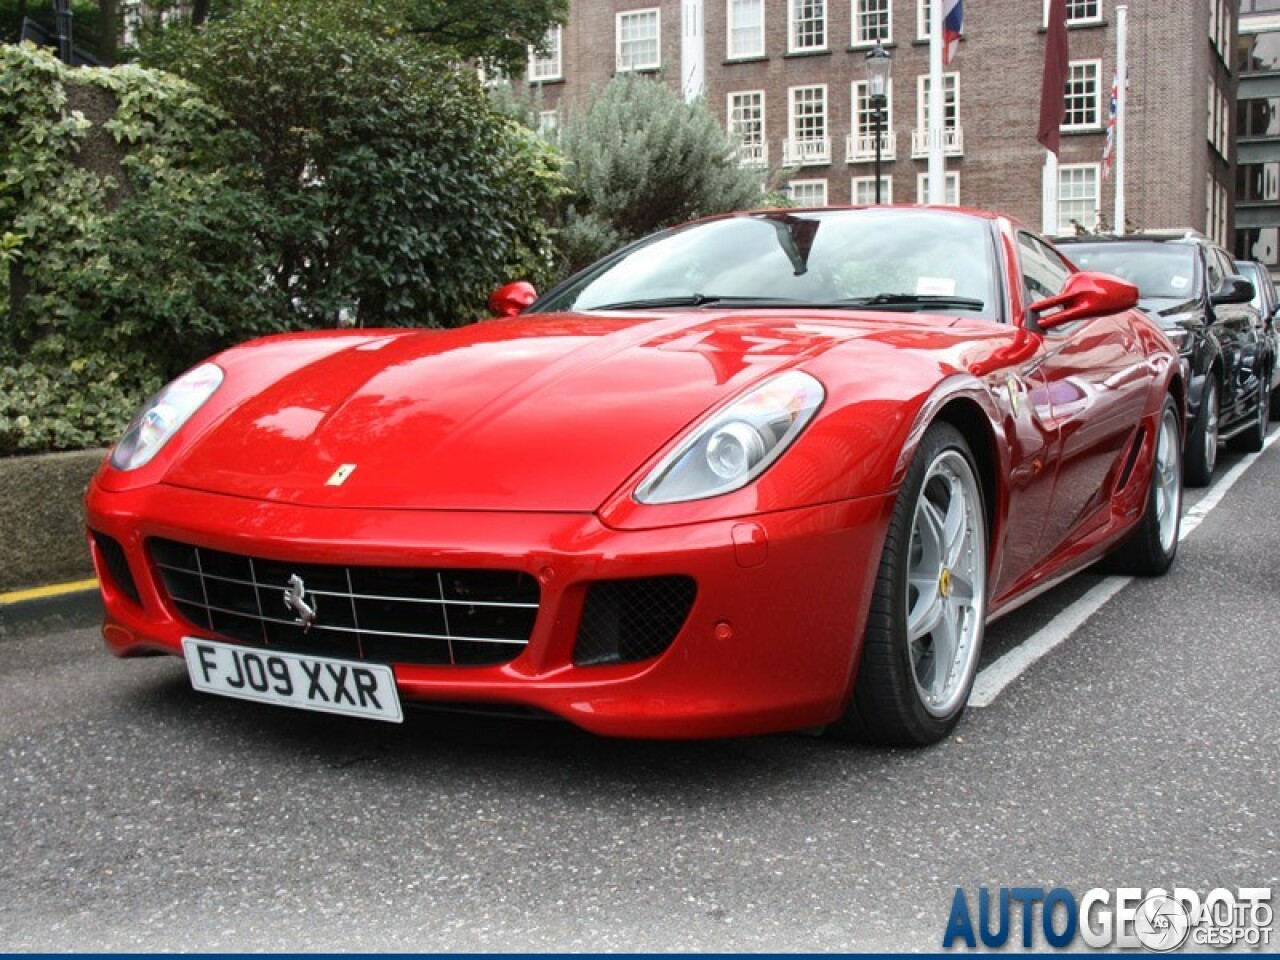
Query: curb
(63, 606)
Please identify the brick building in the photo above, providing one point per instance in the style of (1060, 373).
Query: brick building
(789, 77)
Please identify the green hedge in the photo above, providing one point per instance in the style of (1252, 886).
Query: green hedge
(306, 170)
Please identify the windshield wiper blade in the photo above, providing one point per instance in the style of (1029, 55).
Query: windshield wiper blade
(910, 301)
(698, 300)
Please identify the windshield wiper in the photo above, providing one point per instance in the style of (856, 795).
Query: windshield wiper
(697, 300)
(910, 301)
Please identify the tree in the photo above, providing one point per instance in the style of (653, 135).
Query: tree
(395, 189)
(640, 158)
(497, 34)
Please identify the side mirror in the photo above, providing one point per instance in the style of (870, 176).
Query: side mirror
(509, 300)
(1234, 289)
(1086, 295)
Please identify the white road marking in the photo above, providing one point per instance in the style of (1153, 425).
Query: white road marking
(992, 680)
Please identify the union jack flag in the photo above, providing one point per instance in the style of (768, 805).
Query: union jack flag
(1109, 150)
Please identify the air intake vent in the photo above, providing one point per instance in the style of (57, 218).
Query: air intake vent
(387, 614)
(625, 621)
(117, 565)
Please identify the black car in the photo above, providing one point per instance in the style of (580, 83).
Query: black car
(1195, 290)
(1267, 303)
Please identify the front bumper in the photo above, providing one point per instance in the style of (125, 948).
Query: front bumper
(771, 642)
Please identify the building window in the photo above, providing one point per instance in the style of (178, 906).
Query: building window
(952, 187)
(950, 102)
(639, 32)
(548, 122)
(1258, 182)
(746, 29)
(923, 21)
(863, 190)
(808, 193)
(1078, 198)
(1084, 96)
(872, 22)
(864, 114)
(1078, 12)
(807, 25)
(746, 124)
(547, 64)
(1258, 118)
(1259, 243)
(807, 126)
(1260, 53)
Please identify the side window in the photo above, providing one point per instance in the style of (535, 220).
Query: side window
(1043, 272)
(1214, 274)
(1228, 265)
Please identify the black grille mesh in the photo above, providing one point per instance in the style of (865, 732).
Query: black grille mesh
(117, 565)
(388, 614)
(625, 621)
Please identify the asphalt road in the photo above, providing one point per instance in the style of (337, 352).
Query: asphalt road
(136, 814)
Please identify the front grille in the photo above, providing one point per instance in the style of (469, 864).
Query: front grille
(388, 614)
(625, 621)
(117, 564)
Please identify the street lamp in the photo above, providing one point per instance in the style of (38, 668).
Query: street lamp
(878, 64)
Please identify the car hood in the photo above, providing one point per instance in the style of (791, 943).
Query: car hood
(548, 414)
(1167, 310)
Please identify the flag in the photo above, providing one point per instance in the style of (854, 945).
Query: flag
(1053, 89)
(1108, 150)
(952, 27)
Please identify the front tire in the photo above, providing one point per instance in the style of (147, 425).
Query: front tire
(1150, 550)
(927, 612)
(1202, 444)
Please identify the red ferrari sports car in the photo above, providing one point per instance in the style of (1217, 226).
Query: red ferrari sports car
(765, 471)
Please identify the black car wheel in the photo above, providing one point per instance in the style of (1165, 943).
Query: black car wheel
(1202, 442)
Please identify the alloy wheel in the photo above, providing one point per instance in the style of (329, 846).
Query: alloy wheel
(1211, 428)
(1168, 485)
(946, 583)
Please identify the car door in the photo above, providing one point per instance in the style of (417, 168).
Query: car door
(1237, 327)
(1097, 380)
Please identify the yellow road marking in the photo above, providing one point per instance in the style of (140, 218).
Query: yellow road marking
(54, 590)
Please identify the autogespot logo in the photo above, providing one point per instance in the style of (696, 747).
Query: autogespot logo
(1128, 917)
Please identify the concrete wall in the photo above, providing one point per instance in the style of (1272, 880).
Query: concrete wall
(42, 536)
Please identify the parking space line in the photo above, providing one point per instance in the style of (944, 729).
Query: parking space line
(44, 593)
(992, 680)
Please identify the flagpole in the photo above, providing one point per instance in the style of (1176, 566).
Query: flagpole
(1049, 190)
(1122, 96)
(937, 101)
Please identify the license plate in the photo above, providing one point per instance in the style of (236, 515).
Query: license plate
(293, 680)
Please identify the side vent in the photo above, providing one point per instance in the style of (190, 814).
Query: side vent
(117, 564)
(1131, 460)
(626, 621)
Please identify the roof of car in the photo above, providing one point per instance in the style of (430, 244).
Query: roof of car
(1147, 236)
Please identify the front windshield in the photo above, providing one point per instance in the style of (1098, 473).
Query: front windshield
(1158, 270)
(830, 258)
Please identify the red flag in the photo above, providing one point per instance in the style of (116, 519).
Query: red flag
(1053, 97)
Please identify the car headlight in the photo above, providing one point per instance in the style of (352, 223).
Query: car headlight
(162, 416)
(737, 443)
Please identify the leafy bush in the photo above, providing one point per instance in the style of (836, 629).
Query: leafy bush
(126, 233)
(641, 158)
(395, 189)
(48, 403)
